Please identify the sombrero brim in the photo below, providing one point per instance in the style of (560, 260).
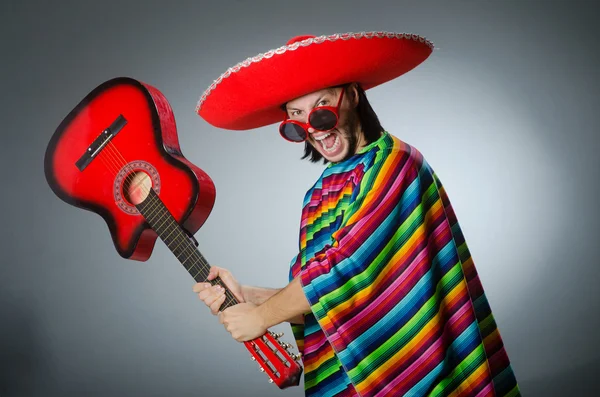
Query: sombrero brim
(249, 95)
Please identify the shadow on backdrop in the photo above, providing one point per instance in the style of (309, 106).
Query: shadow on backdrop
(23, 361)
(579, 381)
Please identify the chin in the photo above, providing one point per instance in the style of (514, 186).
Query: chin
(336, 158)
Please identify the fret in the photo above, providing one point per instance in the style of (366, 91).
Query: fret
(181, 245)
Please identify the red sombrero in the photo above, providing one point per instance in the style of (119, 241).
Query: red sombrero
(249, 94)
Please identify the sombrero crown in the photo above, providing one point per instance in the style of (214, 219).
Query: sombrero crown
(249, 94)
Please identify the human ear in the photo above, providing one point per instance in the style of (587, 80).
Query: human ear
(353, 95)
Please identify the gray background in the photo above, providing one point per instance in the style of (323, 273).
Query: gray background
(505, 110)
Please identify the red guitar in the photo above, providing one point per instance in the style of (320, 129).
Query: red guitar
(117, 154)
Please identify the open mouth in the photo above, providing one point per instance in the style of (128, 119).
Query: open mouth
(330, 142)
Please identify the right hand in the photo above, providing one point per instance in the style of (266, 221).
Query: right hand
(214, 295)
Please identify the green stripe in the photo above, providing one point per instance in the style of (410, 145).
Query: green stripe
(462, 371)
(367, 277)
(331, 214)
(317, 375)
(515, 392)
(422, 317)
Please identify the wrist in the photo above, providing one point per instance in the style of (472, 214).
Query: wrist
(244, 290)
(262, 312)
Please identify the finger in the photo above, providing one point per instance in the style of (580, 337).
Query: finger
(227, 278)
(205, 293)
(210, 294)
(213, 272)
(230, 282)
(237, 335)
(210, 299)
(214, 307)
(200, 287)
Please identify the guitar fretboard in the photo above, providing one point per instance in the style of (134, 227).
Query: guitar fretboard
(175, 237)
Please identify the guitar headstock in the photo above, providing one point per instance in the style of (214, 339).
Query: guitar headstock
(275, 359)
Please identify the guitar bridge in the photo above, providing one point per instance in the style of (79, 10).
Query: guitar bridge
(101, 141)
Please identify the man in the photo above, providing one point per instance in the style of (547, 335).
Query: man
(383, 298)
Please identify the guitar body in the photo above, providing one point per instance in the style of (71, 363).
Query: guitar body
(147, 144)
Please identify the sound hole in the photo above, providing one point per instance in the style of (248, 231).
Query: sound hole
(136, 187)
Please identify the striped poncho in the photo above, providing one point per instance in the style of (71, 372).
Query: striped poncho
(397, 308)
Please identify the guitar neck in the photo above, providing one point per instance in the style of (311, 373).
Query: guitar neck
(181, 245)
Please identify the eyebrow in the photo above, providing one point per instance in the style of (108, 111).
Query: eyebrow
(330, 91)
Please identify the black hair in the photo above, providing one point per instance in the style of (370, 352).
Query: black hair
(368, 121)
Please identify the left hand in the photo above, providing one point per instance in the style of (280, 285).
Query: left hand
(243, 321)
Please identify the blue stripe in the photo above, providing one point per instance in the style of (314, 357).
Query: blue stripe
(347, 266)
(396, 318)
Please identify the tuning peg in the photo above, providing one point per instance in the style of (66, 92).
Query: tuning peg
(262, 369)
(253, 358)
(270, 380)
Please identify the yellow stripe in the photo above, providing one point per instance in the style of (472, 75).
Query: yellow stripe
(415, 341)
(314, 365)
(416, 237)
(380, 180)
(466, 384)
(346, 190)
(492, 336)
(439, 388)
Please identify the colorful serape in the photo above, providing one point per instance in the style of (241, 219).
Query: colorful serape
(397, 306)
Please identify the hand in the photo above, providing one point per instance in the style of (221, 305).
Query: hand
(214, 296)
(243, 322)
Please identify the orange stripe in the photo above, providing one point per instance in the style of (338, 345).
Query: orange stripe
(404, 354)
(382, 177)
(325, 355)
(467, 387)
(324, 208)
(366, 294)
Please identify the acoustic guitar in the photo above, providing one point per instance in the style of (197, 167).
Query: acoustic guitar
(117, 154)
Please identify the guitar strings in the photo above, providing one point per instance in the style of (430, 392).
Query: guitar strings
(114, 167)
(112, 163)
(155, 206)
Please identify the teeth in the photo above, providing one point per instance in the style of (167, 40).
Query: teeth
(322, 137)
(336, 144)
